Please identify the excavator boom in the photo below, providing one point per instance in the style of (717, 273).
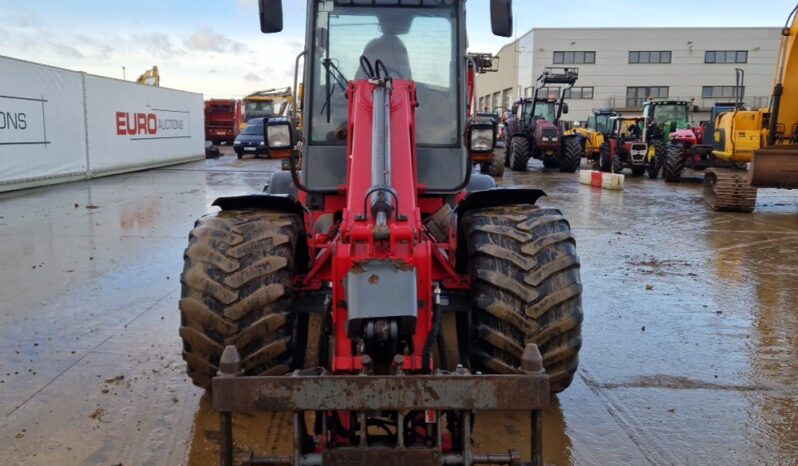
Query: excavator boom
(775, 165)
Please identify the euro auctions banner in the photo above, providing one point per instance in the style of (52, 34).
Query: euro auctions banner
(58, 125)
(131, 125)
(42, 124)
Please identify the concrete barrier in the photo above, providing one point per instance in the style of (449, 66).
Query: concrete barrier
(610, 181)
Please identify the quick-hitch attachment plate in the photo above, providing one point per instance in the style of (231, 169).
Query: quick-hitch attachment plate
(450, 396)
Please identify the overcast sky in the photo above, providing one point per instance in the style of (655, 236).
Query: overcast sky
(215, 46)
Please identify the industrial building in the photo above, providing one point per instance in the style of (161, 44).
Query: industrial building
(621, 67)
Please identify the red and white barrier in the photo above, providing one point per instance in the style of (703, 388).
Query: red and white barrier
(610, 181)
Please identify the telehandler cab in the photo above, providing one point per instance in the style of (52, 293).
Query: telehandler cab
(382, 293)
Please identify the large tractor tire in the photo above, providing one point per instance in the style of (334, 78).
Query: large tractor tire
(673, 164)
(496, 164)
(605, 158)
(508, 153)
(660, 152)
(237, 291)
(652, 168)
(617, 164)
(519, 154)
(571, 155)
(526, 289)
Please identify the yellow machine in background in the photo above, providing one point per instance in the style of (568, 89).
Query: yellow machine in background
(766, 138)
(150, 77)
(593, 134)
(268, 103)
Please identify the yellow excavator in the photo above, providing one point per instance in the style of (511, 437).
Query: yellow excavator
(593, 133)
(268, 103)
(766, 139)
(150, 77)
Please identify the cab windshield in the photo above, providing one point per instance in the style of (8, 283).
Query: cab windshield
(263, 107)
(415, 44)
(600, 123)
(666, 113)
(543, 111)
(253, 129)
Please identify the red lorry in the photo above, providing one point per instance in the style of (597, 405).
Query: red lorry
(223, 120)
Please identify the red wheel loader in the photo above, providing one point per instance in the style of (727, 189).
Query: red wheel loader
(382, 293)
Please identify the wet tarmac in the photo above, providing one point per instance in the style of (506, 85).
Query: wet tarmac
(690, 349)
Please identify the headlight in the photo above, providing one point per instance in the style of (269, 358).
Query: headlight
(279, 136)
(481, 139)
(554, 139)
(546, 139)
(262, 143)
(236, 142)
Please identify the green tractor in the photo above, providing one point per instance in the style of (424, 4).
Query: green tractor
(678, 144)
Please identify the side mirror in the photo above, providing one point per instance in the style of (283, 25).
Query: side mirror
(501, 17)
(565, 108)
(271, 16)
(514, 109)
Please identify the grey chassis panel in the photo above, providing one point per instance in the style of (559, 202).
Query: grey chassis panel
(497, 197)
(273, 202)
(282, 183)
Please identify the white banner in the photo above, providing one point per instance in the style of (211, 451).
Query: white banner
(131, 125)
(45, 111)
(42, 124)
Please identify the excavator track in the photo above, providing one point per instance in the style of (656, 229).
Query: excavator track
(728, 190)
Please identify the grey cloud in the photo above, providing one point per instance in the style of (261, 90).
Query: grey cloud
(208, 40)
(252, 77)
(18, 17)
(100, 48)
(158, 44)
(66, 50)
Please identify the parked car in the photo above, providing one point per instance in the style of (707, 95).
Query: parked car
(251, 140)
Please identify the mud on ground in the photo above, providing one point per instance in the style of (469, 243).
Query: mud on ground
(690, 351)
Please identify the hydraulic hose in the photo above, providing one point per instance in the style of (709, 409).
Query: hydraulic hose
(435, 332)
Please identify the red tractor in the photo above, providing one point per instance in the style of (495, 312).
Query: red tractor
(533, 130)
(383, 293)
(625, 146)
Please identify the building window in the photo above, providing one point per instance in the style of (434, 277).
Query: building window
(574, 58)
(635, 96)
(481, 106)
(649, 57)
(709, 92)
(549, 93)
(726, 56)
(495, 103)
(579, 93)
(507, 95)
(528, 91)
